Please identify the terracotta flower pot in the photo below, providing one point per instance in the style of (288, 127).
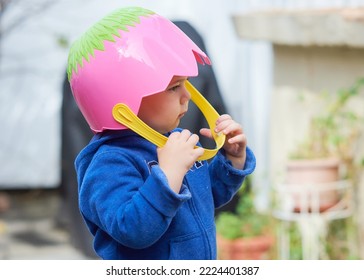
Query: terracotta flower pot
(245, 248)
(310, 178)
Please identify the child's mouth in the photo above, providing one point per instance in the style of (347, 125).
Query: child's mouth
(180, 116)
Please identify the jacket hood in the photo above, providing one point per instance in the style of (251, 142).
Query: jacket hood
(85, 157)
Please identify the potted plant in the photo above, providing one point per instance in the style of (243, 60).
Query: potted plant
(327, 154)
(244, 234)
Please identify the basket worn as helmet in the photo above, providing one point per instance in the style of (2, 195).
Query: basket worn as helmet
(129, 54)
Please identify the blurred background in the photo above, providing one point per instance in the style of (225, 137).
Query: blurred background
(290, 71)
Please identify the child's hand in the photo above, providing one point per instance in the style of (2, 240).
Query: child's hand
(177, 156)
(235, 143)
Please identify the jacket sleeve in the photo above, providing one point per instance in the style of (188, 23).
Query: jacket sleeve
(134, 211)
(226, 180)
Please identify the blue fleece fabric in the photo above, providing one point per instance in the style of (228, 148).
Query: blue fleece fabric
(128, 206)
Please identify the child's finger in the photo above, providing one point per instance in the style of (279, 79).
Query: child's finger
(230, 127)
(240, 138)
(193, 139)
(199, 152)
(222, 118)
(206, 132)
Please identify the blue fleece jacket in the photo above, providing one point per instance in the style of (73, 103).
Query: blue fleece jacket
(132, 212)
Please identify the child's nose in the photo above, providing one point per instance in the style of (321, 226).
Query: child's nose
(186, 96)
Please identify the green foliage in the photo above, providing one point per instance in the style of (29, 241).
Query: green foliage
(334, 131)
(105, 29)
(246, 222)
(229, 225)
(339, 243)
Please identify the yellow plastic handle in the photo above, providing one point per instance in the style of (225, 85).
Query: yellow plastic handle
(124, 115)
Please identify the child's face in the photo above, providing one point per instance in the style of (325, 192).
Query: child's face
(163, 111)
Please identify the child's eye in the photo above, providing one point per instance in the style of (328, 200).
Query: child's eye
(174, 88)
